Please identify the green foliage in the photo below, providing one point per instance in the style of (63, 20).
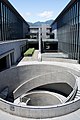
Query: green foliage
(29, 52)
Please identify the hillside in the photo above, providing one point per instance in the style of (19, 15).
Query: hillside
(38, 23)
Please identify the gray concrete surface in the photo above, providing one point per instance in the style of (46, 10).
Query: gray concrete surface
(48, 78)
(23, 100)
(75, 115)
(53, 57)
(45, 70)
(15, 45)
(41, 98)
(32, 71)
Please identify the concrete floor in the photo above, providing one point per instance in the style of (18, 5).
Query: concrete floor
(58, 57)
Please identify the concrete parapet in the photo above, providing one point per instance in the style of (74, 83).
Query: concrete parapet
(40, 112)
(21, 79)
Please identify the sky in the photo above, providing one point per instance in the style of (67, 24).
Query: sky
(39, 10)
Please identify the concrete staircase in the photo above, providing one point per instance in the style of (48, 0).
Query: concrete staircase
(77, 94)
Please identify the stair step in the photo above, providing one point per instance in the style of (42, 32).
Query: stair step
(77, 93)
(76, 97)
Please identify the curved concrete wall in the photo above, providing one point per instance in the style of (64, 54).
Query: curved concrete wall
(40, 112)
(56, 87)
(41, 98)
(20, 74)
(17, 76)
(49, 78)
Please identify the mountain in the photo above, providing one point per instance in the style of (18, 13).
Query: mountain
(49, 22)
(38, 23)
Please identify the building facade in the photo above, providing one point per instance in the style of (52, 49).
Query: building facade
(44, 29)
(12, 25)
(48, 41)
(67, 25)
(13, 31)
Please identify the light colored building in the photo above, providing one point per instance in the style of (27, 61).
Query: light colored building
(47, 38)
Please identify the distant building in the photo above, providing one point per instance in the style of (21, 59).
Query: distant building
(47, 38)
(67, 28)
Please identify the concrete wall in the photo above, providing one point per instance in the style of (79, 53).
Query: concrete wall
(19, 75)
(55, 33)
(6, 47)
(41, 98)
(40, 112)
(48, 78)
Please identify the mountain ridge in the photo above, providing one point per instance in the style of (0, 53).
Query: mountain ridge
(38, 23)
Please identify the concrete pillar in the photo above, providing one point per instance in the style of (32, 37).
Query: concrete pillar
(43, 46)
(8, 61)
(39, 54)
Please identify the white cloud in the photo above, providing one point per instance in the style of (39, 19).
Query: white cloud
(26, 15)
(32, 17)
(46, 14)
